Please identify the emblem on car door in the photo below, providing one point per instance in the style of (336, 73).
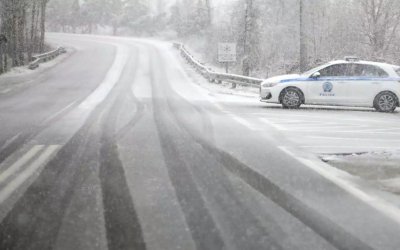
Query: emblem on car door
(328, 87)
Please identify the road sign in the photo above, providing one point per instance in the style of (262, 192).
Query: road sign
(227, 52)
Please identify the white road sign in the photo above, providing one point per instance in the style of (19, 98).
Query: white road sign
(227, 52)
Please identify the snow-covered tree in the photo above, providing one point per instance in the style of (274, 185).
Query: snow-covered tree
(22, 23)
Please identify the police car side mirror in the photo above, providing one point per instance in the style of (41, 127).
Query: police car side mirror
(316, 75)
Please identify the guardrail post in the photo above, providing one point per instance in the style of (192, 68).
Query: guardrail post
(216, 77)
(45, 57)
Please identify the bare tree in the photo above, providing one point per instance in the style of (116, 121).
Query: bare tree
(303, 38)
(380, 23)
(43, 6)
(209, 11)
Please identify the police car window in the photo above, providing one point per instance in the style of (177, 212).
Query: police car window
(369, 71)
(334, 70)
(397, 69)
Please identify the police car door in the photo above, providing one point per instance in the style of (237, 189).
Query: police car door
(366, 80)
(330, 87)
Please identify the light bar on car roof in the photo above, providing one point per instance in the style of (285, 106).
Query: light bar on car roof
(351, 58)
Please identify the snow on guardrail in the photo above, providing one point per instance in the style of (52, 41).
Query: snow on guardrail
(213, 76)
(38, 59)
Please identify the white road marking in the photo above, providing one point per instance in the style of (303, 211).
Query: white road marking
(382, 129)
(364, 132)
(330, 128)
(327, 127)
(21, 162)
(291, 122)
(318, 128)
(274, 125)
(352, 138)
(112, 77)
(242, 121)
(11, 140)
(372, 130)
(233, 116)
(219, 106)
(353, 146)
(13, 185)
(141, 86)
(59, 112)
(379, 204)
(324, 117)
(5, 91)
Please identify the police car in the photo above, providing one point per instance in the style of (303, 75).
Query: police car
(348, 82)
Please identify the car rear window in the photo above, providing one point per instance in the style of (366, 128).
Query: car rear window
(365, 70)
(397, 69)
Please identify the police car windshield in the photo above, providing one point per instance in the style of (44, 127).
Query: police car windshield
(311, 71)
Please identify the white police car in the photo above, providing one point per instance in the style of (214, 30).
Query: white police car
(348, 82)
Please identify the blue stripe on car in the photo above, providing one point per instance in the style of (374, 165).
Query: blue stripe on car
(340, 79)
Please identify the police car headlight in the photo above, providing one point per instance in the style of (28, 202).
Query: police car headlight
(269, 84)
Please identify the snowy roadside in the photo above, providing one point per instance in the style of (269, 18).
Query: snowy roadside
(196, 48)
(380, 168)
(219, 88)
(20, 76)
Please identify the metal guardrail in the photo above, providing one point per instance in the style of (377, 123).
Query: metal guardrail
(213, 76)
(37, 59)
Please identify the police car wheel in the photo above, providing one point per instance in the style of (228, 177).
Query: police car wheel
(291, 98)
(385, 102)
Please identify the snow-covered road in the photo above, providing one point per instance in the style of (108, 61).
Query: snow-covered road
(328, 130)
(123, 146)
(317, 129)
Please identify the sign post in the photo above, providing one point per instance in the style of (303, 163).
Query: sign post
(226, 54)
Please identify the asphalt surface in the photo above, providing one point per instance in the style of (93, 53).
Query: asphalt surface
(118, 147)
